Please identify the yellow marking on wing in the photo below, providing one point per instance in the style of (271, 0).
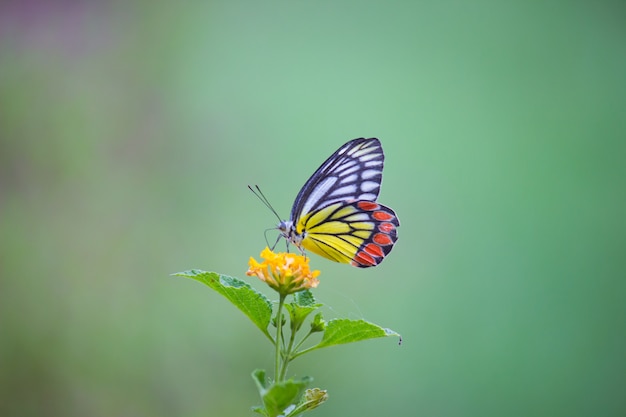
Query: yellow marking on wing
(329, 253)
(335, 234)
(363, 234)
(332, 247)
(332, 227)
(311, 220)
(315, 246)
(345, 211)
(362, 225)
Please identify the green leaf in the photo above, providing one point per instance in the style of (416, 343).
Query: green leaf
(304, 298)
(279, 396)
(284, 394)
(318, 324)
(303, 305)
(251, 302)
(259, 379)
(341, 331)
(259, 410)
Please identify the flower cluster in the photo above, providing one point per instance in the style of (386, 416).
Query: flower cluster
(286, 273)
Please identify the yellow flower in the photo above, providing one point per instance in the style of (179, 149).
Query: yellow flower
(285, 272)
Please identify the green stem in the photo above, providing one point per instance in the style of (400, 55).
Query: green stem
(279, 337)
(302, 341)
(302, 352)
(287, 357)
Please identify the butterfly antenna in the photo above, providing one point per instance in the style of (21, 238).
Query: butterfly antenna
(264, 200)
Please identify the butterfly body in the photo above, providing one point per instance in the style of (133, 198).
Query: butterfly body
(336, 215)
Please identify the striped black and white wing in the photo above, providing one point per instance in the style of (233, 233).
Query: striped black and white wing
(354, 172)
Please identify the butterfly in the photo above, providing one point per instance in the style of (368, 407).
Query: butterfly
(336, 215)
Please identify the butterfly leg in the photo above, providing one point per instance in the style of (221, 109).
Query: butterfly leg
(276, 243)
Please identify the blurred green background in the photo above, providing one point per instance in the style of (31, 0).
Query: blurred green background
(128, 134)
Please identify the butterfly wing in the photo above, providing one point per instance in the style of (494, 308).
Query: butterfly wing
(353, 172)
(360, 232)
(336, 215)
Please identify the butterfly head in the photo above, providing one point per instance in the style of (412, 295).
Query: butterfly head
(288, 231)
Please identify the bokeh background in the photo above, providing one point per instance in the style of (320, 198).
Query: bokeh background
(128, 134)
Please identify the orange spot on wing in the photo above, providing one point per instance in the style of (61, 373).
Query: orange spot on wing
(367, 205)
(382, 215)
(386, 227)
(374, 250)
(364, 259)
(382, 239)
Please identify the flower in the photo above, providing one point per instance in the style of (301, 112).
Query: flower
(286, 273)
